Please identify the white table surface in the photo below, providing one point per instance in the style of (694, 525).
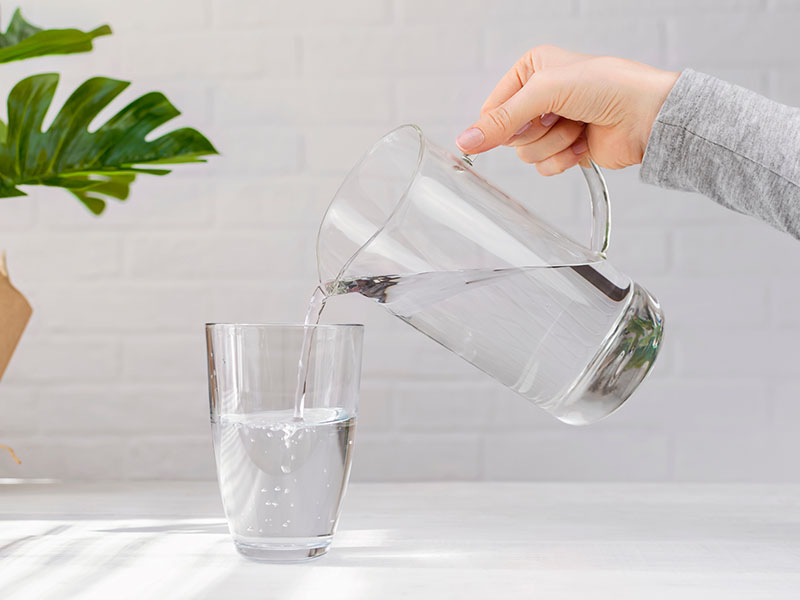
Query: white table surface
(435, 540)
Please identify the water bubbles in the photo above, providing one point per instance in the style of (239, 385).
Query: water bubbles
(284, 462)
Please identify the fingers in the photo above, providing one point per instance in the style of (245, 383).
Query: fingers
(560, 162)
(560, 136)
(512, 82)
(497, 125)
(533, 130)
(529, 63)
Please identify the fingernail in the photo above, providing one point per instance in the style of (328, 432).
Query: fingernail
(471, 138)
(548, 119)
(524, 128)
(580, 146)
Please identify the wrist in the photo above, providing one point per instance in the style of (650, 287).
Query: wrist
(660, 85)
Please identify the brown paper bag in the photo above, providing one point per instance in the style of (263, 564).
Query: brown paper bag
(14, 315)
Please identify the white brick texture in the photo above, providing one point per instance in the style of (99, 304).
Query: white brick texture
(109, 379)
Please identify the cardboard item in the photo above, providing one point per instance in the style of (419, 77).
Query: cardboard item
(15, 312)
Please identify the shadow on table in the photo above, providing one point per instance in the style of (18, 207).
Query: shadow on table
(221, 527)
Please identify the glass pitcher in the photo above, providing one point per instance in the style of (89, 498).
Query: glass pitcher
(420, 231)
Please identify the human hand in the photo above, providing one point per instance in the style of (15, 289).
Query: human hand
(559, 107)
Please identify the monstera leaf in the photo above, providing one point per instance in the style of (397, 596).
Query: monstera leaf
(92, 165)
(23, 40)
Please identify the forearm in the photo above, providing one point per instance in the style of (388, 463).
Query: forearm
(733, 145)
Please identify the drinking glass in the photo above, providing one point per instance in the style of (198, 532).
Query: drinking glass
(282, 468)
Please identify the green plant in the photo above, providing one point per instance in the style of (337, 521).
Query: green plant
(23, 40)
(94, 166)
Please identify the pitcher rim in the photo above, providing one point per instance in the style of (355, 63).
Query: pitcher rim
(400, 201)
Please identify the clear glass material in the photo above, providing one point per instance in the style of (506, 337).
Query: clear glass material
(421, 232)
(282, 478)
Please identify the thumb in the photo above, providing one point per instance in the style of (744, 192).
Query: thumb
(537, 97)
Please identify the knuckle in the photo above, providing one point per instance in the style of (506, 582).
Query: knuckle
(566, 135)
(553, 165)
(525, 67)
(500, 118)
(524, 154)
(542, 50)
(542, 54)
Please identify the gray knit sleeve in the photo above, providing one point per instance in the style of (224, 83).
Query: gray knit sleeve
(736, 147)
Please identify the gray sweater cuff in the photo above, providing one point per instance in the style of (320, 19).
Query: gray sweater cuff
(666, 146)
(733, 145)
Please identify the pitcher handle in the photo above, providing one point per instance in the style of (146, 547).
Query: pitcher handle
(601, 205)
(601, 208)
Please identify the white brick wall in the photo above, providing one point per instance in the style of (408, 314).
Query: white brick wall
(109, 380)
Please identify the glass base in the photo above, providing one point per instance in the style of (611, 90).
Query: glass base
(620, 366)
(283, 552)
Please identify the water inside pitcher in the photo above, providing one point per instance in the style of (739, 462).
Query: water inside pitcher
(418, 230)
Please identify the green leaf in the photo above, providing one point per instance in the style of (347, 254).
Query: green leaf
(92, 165)
(18, 30)
(115, 186)
(23, 40)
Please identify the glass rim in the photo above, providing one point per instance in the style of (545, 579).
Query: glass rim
(287, 325)
(400, 200)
